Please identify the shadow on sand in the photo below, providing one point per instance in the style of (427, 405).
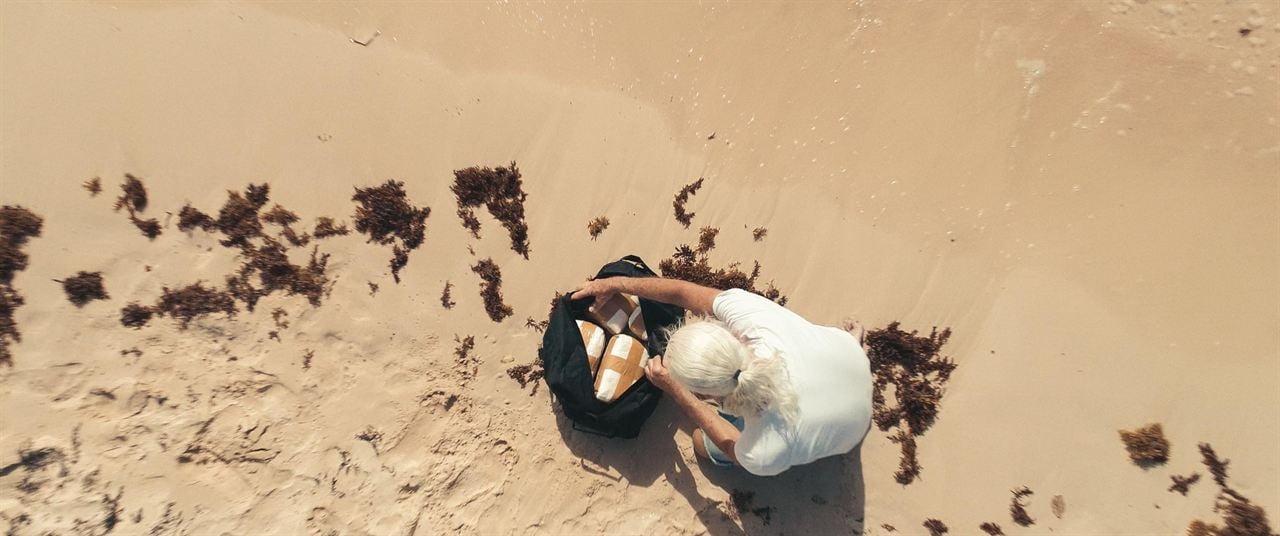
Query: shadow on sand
(824, 497)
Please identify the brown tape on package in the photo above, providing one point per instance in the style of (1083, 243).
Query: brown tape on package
(622, 366)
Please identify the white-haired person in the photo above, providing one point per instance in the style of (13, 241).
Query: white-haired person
(788, 391)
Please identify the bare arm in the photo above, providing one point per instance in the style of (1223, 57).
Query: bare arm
(690, 296)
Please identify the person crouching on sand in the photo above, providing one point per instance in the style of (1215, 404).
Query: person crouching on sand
(788, 391)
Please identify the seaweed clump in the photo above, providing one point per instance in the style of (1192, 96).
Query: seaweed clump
(527, 374)
(759, 233)
(935, 527)
(136, 315)
(1217, 466)
(1240, 517)
(913, 365)
(386, 216)
(133, 198)
(1018, 506)
(707, 239)
(326, 227)
(84, 287)
(992, 529)
(597, 226)
(692, 265)
(1147, 445)
(1182, 484)
(93, 186)
(491, 290)
(17, 225)
(274, 271)
(191, 218)
(499, 190)
(446, 296)
(684, 217)
(194, 301)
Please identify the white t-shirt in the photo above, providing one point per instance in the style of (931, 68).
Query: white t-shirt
(829, 372)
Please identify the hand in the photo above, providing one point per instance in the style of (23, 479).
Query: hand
(601, 289)
(658, 374)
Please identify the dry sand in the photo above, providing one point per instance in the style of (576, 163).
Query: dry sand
(1085, 192)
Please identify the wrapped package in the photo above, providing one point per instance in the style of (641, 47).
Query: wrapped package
(636, 325)
(593, 337)
(622, 366)
(615, 314)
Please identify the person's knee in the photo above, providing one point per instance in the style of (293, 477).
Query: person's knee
(699, 444)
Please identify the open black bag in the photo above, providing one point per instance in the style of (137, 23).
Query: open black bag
(564, 358)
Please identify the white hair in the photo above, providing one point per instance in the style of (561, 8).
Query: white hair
(706, 358)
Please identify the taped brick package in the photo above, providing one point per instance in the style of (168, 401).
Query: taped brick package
(615, 314)
(622, 366)
(593, 337)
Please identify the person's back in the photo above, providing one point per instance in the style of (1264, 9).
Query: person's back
(829, 372)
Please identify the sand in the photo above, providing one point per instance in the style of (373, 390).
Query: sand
(1084, 192)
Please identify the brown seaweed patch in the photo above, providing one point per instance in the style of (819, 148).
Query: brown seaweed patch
(908, 462)
(280, 216)
(194, 301)
(17, 225)
(912, 364)
(527, 374)
(84, 287)
(707, 240)
(759, 233)
(133, 196)
(238, 218)
(1240, 517)
(689, 265)
(499, 190)
(1182, 484)
(684, 217)
(935, 527)
(10, 301)
(136, 315)
(93, 186)
(190, 218)
(465, 363)
(992, 529)
(597, 226)
(491, 289)
(326, 227)
(1018, 506)
(1147, 445)
(274, 271)
(446, 296)
(386, 215)
(1217, 466)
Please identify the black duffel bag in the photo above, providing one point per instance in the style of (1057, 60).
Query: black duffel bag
(564, 358)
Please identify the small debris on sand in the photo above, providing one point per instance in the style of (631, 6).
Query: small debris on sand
(686, 218)
(1182, 484)
(446, 296)
(306, 358)
(501, 191)
(94, 186)
(759, 233)
(1147, 445)
(1017, 506)
(597, 226)
(1058, 506)
(465, 364)
(17, 225)
(373, 287)
(526, 374)
(536, 325)
(743, 503)
(386, 215)
(935, 527)
(491, 289)
(916, 369)
(707, 240)
(277, 316)
(84, 287)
